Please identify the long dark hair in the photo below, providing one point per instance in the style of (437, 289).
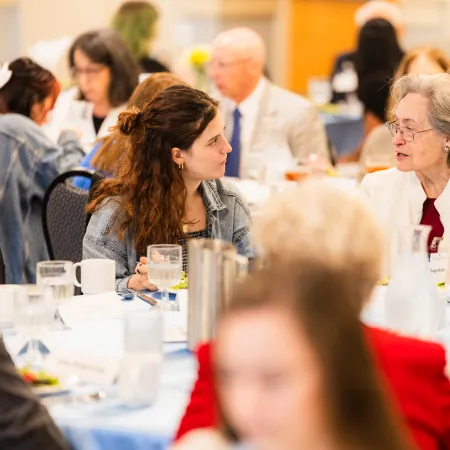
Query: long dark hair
(319, 298)
(149, 185)
(108, 48)
(29, 85)
(378, 48)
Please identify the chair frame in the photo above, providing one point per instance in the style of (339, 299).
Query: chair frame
(58, 180)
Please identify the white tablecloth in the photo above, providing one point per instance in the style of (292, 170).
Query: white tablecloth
(107, 425)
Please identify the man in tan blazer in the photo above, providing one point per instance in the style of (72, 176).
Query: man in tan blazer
(256, 110)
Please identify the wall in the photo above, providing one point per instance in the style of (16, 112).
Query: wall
(319, 30)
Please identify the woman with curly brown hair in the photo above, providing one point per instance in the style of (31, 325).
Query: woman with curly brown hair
(168, 189)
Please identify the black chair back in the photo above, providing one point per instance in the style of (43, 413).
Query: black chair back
(2, 269)
(64, 217)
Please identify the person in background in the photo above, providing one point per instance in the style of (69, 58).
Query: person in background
(416, 191)
(105, 75)
(345, 62)
(250, 101)
(29, 161)
(136, 22)
(324, 219)
(376, 60)
(169, 188)
(24, 423)
(378, 144)
(425, 60)
(107, 154)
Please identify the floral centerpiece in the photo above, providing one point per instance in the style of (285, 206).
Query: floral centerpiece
(199, 58)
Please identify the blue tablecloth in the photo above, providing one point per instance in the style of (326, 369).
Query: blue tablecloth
(344, 132)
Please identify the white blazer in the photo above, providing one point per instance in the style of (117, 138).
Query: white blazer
(73, 114)
(397, 199)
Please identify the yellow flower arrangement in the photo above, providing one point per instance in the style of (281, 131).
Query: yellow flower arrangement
(199, 57)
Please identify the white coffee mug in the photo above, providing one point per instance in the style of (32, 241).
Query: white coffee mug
(97, 275)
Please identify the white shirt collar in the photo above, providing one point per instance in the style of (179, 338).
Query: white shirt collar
(251, 103)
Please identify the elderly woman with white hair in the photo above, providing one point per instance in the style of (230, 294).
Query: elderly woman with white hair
(416, 191)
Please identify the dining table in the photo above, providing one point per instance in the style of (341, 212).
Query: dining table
(97, 331)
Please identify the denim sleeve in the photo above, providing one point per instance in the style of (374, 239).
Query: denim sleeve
(102, 241)
(241, 231)
(57, 159)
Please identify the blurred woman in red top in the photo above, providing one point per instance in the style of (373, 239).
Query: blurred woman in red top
(324, 223)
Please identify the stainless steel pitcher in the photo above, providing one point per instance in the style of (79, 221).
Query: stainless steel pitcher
(214, 268)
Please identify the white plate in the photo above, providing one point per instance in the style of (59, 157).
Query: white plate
(44, 391)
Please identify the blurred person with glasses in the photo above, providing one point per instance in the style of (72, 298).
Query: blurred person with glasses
(250, 101)
(416, 191)
(29, 162)
(105, 74)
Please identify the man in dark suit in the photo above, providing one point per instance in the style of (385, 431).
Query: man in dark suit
(24, 423)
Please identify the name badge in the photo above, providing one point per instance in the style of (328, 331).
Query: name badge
(438, 263)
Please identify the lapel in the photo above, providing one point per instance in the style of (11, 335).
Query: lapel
(416, 197)
(443, 206)
(264, 110)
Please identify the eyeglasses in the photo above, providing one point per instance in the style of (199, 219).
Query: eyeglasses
(90, 72)
(225, 65)
(405, 133)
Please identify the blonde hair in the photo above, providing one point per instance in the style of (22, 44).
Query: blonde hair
(432, 53)
(317, 222)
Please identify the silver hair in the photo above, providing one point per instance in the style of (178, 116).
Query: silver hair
(436, 88)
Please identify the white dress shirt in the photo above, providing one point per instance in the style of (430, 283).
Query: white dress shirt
(249, 110)
(77, 115)
(278, 127)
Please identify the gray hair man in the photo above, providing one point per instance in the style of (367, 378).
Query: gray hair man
(256, 110)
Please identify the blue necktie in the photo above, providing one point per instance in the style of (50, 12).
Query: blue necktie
(233, 159)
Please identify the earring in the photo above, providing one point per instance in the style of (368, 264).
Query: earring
(181, 166)
(446, 149)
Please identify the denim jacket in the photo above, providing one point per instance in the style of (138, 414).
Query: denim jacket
(228, 218)
(29, 161)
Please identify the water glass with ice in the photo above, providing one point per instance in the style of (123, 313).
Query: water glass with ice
(57, 275)
(164, 270)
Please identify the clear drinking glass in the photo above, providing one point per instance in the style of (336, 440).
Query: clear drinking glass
(164, 270)
(58, 275)
(141, 364)
(33, 313)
